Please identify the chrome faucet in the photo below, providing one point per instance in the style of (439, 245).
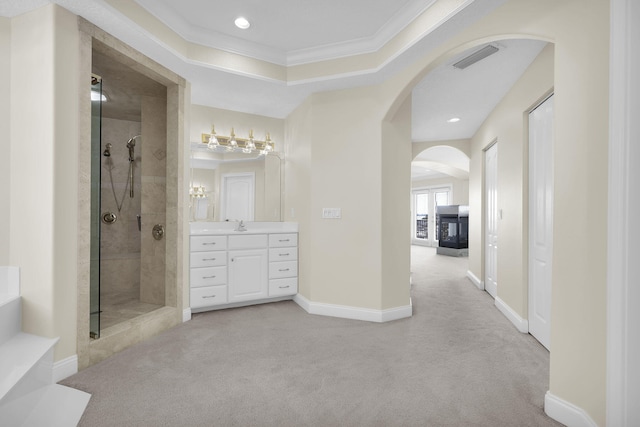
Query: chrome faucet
(241, 226)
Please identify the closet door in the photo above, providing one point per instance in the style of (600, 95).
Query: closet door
(491, 220)
(540, 220)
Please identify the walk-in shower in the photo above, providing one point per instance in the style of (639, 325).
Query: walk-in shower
(122, 287)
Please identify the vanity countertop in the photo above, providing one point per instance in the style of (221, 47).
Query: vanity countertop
(252, 227)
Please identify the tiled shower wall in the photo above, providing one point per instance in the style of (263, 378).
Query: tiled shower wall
(120, 241)
(154, 199)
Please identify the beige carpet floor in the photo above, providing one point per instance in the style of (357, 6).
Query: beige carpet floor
(457, 362)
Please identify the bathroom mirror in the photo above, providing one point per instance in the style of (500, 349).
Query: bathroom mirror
(234, 186)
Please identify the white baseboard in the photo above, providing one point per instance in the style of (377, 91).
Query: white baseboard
(65, 368)
(186, 314)
(521, 324)
(566, 413)
(479, 284)
(355, 313)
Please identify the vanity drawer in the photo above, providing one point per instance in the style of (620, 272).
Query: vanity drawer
(210, 295)
(283, 254)
(248, 241)
(278, 270)
(208, 243)
(208, 259)
(283, 240)
(278, 287)
(208, 276)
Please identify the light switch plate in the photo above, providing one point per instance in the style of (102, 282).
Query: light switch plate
(331, 213)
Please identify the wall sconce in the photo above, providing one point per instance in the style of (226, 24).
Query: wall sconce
(233, 144)
(198, 192)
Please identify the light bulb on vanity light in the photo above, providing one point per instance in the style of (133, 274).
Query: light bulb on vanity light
(233, 144)
(268, 144)
(250, 145)
(213, 140)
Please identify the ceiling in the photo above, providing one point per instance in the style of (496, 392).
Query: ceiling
(294, 35)
(289, 32)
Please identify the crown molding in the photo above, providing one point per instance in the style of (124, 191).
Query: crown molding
(230, 44)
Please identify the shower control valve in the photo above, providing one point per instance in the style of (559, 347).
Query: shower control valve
(158, 231)
(109, 217)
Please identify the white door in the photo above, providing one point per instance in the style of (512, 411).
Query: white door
(540, 220)
(248, 278)
(491, 220)
(237, 197)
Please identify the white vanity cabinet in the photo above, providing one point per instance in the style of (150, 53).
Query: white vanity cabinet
(230, 268)
(248, 267)
(208, 272)
(283, 264)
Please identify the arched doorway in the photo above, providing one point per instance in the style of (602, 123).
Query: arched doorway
(439, 176)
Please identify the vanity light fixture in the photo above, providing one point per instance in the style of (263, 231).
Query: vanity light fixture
(453, 120)
(242, 23)
(198, 192)
(232, 143)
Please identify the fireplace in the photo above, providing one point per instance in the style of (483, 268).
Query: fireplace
(453, 230)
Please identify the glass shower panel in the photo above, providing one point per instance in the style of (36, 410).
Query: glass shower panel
(96, 144)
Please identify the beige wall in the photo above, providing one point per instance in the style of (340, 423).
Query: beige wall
(578, 312)
(44, 153)
(506, 125)
(297, 182)
(396, 180)
(347, 261)
(5, 133)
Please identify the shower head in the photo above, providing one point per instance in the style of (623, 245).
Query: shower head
(130, 145)
(132, 141)
(107, 150)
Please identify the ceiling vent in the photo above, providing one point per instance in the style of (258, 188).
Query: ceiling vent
(476, 56)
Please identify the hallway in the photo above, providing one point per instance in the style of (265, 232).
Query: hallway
(456, 362)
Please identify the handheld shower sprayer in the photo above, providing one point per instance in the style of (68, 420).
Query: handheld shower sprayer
(107, 150)
(131, 144)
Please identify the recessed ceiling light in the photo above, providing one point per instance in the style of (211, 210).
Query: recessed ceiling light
(453, 120)
(242, 23)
